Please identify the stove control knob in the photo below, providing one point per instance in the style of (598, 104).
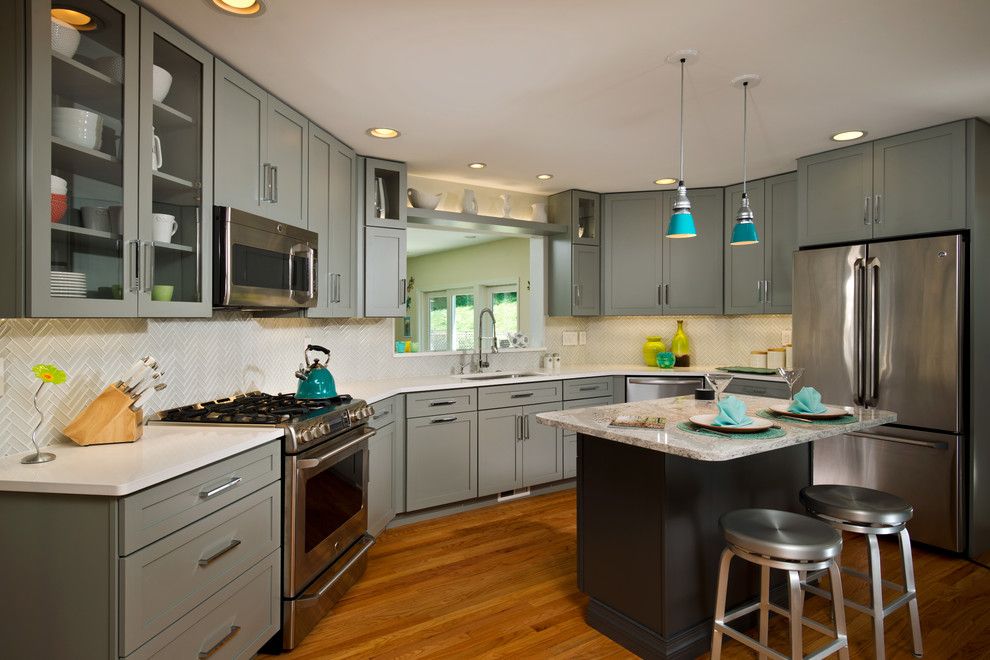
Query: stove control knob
(304, 437)
(324, 428)
(366, 412)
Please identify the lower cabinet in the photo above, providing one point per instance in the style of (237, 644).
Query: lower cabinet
(515, 451)
(441, 460)
(569, 440)
(541, 447)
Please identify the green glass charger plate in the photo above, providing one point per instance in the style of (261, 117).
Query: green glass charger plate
(769, 434)
(838, 421)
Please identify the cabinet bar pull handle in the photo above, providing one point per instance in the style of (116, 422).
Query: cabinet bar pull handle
(759, 290)
(338, 276)
(207, 494)
(660, 294)
(402, 292)
(876, 209)
(266, 182)
(526, 427)
(577, 294)
(666, 294)
(442, 420)
(588, 388)
(274, 184)
(149, 266)
(216, 647)
(135, 281)
(866, 210)
(519, 427)
(219, 553)
(443, 402)
(521, 395)
(767, 297)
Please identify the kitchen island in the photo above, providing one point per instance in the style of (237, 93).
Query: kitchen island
(648, 504)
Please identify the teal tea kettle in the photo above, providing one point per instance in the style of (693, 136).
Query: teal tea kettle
(315, 380)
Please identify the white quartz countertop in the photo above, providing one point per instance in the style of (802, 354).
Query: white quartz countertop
(378, 390)
(595, 421)
(165, 452)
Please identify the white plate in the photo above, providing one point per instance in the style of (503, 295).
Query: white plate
(831, 412)
(757, 425)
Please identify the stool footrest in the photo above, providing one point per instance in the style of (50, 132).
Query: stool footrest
(904, 597)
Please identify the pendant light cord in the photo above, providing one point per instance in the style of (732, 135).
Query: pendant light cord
(745, 95)
(683, 60)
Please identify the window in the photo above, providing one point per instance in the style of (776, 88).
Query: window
(450, 320)
(504, 301)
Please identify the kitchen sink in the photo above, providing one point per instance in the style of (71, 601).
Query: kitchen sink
(502, 375)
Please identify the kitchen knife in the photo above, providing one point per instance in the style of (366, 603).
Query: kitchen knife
(131, 372)
(149, 381)
(143, 399)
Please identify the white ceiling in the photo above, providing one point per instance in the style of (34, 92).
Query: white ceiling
(421, 241)
(579, 88)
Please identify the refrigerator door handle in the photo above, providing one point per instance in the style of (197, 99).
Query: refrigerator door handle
(873, 277)
(900, 441)
(859, 339)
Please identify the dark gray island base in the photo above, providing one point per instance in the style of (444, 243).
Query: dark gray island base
(649, 542)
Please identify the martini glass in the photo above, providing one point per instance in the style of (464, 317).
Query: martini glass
(718, 382)
(791, 376)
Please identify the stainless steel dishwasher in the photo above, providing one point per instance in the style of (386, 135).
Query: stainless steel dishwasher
(647, 388)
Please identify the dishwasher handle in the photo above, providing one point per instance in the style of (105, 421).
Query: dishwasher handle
(663, 381)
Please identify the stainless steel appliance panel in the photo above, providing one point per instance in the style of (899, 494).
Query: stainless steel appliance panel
(924, 468)
(653, 387)
(915, 309)
(827, 330)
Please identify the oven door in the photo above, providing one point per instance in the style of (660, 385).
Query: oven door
(262, 263)
(326, 501)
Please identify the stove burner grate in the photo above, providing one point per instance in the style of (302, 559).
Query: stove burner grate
(251, 408)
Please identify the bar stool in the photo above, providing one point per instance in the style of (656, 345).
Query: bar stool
(789, 542)
(870, 512)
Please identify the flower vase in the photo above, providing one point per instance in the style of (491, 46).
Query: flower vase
(680, 347)
(653, 346)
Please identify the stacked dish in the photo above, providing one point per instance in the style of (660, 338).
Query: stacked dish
(68, 285)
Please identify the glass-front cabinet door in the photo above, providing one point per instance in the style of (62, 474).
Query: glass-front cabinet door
(587, 212)
(83, 130)
(175, 165)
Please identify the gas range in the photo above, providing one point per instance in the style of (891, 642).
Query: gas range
(306, 422)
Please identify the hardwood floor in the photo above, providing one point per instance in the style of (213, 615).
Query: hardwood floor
(500, 582)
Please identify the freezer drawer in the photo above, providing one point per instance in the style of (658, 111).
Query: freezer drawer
(921, 467)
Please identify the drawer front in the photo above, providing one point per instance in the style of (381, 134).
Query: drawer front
(158, 511)
(162, 582)
(385, 412)
(521, 394)
(448, 402)
(767, 388)
(233, 623)
(587, 388)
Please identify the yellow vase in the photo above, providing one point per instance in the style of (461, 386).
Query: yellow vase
(680, 347)
(653, 346)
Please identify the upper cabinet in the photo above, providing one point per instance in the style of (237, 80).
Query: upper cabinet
(260, 150)
(646, 274)
(332, 213)
(118, 216)
(758, 277)
(903, 185)
(384, 193)
(574, 261)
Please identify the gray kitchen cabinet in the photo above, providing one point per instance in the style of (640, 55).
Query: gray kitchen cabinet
(500, 457)
(385, 282)
(919, 181)
(260, 154)
(574, 259)
(332, 213)
(632, 254)
(569, 438)
(692, 267)
(542, 447)
(384, 193)
(586, 269)
(381, 451)
(758, 277)
(441, 460)
(835, 192)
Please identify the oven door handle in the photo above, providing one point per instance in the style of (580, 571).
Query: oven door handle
(311, 463)
(310, 254)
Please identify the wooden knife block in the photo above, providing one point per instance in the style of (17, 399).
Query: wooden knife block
(106, 420)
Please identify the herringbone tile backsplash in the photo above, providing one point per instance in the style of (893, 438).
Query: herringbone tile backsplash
(213, 358)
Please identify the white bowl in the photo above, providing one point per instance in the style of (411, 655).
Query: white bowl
(421, 200)
(112, 67)
(65, 38)
(161, 82)
(59, 185)
(80, 127)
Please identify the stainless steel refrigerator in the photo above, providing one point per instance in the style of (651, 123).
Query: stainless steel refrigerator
(881, 325)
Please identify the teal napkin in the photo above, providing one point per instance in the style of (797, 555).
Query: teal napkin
(731, 412)
(808, 402)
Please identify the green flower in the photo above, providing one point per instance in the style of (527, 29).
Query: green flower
(49, 373)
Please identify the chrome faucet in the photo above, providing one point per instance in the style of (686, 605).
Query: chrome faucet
(482, 358)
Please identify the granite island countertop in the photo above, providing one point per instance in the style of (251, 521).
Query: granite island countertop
(671, 440)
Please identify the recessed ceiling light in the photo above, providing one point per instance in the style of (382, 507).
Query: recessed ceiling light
(239, 7)
(845, 136)
(383, 133)
(477, 166)
(665, 182)
(544, 177)
(76, 18)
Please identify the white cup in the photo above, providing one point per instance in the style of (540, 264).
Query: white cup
(156, 152)
(80, 127)
(96, 217)
(164, 227)
(59, 186)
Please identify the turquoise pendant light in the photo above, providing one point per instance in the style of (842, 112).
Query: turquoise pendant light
(744, 231)
(681, 221)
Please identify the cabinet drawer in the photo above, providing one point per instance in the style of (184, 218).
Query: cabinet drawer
(233, 623)
(587, 388)
(448, 402)
(162, 582)
(385, 412)
(158, 511)
(522, 394)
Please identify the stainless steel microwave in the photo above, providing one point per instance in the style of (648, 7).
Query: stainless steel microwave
(260, 263)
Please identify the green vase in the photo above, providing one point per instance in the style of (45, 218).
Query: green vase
(653, 346)
(680, 346)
